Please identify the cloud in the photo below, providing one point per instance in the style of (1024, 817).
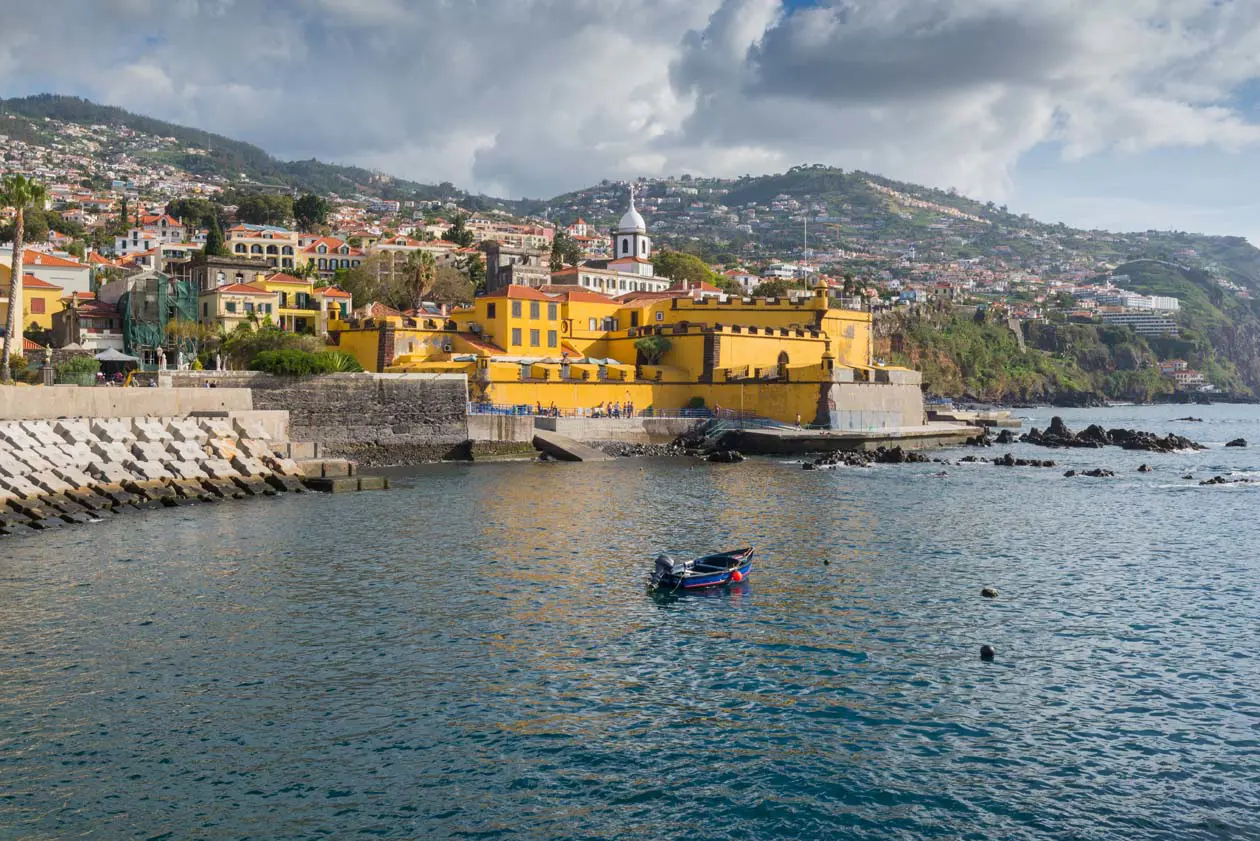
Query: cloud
(534, 97)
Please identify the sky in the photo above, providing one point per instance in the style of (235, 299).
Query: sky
(1120, 114)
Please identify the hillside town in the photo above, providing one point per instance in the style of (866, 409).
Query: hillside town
(113, 226)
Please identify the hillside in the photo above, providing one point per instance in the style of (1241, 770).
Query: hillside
(207, 154)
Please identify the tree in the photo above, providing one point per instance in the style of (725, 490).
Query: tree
(34, 230)
(775, 288)
(214, 242)
(474, 265)
(564, 250)
(20, 193)
(681, 267)
(199, 213)
(459, 234)
(120, 226)
(418, 272)
(259, 209)
(310, 211)
(451, 287)
(652, 348)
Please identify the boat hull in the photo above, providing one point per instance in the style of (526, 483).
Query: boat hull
(714, 571)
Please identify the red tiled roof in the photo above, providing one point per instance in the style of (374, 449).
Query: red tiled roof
(480, 344)
(526, 292)
(281, 277)
(28, 345)
(31, 257)
(576, 293)
(30, 281)
(240, 289)
(332, 292)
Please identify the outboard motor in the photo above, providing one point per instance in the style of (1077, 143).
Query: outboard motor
(667, 567)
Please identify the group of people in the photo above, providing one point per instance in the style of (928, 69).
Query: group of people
(613, 410)
(551, 411)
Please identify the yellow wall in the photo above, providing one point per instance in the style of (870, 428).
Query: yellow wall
(51, 299)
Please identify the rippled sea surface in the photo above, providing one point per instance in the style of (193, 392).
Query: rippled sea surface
(473, 655)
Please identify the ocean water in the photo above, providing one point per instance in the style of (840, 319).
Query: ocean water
(473, 655)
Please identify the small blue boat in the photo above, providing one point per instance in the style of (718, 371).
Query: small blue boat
(710, 571)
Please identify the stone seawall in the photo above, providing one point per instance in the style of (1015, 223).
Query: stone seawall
(75, 470)
(69, 401)
(376, 419)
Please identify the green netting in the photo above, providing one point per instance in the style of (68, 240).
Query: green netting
(149, 306)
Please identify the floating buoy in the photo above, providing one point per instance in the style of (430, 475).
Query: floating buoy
(987, 652)
(737, 576)
(989, 593)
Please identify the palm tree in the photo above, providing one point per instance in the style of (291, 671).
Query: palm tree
(19, 192)
(420, 271)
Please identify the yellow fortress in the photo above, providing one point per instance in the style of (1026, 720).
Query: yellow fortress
(568, 348)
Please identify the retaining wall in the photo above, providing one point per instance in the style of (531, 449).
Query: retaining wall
(875, 406)
(69, 401)
(374, 418)
(629, 430)
(503, 428)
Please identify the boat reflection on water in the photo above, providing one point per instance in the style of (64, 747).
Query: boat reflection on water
(733, 592)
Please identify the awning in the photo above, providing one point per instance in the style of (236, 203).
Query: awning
(111, 355)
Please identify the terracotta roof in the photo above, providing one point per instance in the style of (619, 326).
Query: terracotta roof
(83, 296)
(281, 277)
(28, 345)
(30, 281)
(526, 292)
(577, 293)
(480, 344)
(40, 258)
(240, 289)
(332, 292)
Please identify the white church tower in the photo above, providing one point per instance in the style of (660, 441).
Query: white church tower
(632, 247)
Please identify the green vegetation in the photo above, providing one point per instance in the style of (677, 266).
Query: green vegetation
(652, 349)
(301, 363)
(310, 211)
(78, 370)
(685, 268)
(22, 194)
(972, 357)
(244, 344)
(565, 250)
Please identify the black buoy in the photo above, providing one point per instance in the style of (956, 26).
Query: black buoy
(989, 593)
(826, 562)
(987, 652)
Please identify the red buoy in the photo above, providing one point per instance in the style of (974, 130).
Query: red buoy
(737, 576)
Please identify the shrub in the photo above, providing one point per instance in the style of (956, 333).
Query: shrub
(292, 363)
(339, 362)
(652, 348)
(244, 344)
(696, 402)
(79, 365)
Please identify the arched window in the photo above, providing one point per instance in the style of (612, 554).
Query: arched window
(255, 249)
(625, 246)
(219, 278)
(240, 248)
(643, 247)
(288, 249)
(271, 249)
(323, 249)
(323, 264)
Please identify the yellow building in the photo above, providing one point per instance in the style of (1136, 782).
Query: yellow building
(578, 350)
(40, 301)
(277, 246)
(235, 304)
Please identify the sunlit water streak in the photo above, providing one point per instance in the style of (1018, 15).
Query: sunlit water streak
(474, 655)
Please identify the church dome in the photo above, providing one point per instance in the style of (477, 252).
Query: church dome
(632, 221)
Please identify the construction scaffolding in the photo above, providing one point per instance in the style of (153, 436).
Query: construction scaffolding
(152, 302)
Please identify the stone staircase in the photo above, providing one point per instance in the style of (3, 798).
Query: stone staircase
(77, 470)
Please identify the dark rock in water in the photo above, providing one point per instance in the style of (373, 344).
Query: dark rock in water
(981, 440)
(1145, 468)
(1098, 473)
(726, 457)
(1009, 460)
(1005, 437)
(1069, 474)
(987, 652)
(1222, 480)
(1237, 442)
(988, 593)
(972, 460)
(1059, 429)
(1058, 435)
(1189, 419)
(1188, 476)
(856, 458)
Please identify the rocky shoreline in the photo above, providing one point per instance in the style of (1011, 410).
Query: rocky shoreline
(1058, 435)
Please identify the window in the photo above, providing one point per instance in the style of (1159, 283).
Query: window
(240, 248)
(660, 316)
(625, 246)
(255, 249)
(205, 310)
(553, 339)
(323, 264)
(534, 338)
(643, 247)
(265, 308)
(249, 307)
(516, 336)
(323, 249)
(219, 278)
(37, 306)
(288, 249)
(553, 312)
(284, 300)
(621, 285)
(230, 306)
(287, 262)
(534, 309)
(634, 319)
(489, 311)
(271, 249)
(594, 324)
(516, 309)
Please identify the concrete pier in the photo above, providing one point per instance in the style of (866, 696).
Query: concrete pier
(563, 448)
(786, 441)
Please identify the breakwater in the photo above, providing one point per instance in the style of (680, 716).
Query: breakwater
(375, 419)
(73, 470)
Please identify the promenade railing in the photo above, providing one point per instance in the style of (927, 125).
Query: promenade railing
(730, 418)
